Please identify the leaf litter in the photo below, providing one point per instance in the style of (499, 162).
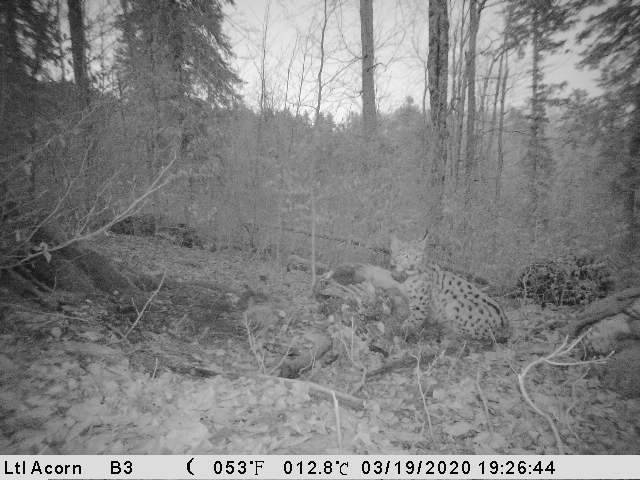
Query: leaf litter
(70, 385)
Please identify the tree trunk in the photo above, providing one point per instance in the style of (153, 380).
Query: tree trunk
(494, 109)
(486, 142)
(12, 65)
(318, 149)
(537, 117)
(438, 66)
(501, 89)
(368, 66)
(470, 164)
(323, 32)
(259, 157)
(79, 50)
(500, 153)
(454, 136)
(458, 98)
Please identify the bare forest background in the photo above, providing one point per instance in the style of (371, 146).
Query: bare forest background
(110, 107)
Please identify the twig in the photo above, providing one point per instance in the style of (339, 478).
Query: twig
(155, 368)
(483, 397)
(146, 304)
(345, 398)
(563, 349)
(421, 390)
(546, 416)
(253, 344)
(336, 412)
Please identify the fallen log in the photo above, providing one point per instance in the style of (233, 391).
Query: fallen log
(607, 307)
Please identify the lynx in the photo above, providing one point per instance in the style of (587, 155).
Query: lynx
(445, 298)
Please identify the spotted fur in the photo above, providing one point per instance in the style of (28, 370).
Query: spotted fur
(440, 296)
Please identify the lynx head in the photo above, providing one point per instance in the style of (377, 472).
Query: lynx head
(407, 256)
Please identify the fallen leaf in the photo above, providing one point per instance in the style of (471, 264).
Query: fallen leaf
(458, 429)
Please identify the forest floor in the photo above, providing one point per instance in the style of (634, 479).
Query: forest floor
(185, 378)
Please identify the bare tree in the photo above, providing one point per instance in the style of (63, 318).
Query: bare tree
(258, 158)
(368, 66)
(471, 161)
(501, 86)
(438, 65)
(459, 37)
(323, 31)
(500, 98)
(79, 50)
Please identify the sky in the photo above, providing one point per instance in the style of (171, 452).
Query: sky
(292, 53)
